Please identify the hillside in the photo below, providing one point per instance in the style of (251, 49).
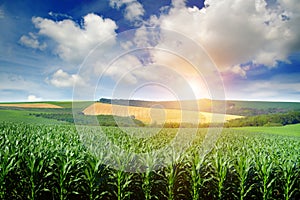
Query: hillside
(244, 108)
(156, 115)
(30, 105)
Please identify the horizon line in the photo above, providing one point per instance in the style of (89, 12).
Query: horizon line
(149, 100)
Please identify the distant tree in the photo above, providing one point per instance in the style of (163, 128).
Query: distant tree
(266, 120)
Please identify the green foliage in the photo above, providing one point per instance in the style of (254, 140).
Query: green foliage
(102, 120)
(54, 162)
(14, 115)
(279, 119)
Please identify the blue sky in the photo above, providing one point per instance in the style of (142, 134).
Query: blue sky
(73, 49)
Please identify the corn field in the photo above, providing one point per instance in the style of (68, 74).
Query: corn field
(52, 162)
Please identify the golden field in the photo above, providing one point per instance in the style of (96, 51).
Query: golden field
(157, 115)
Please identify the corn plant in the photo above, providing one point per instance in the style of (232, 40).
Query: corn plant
(243, 165)
(264, 167)
(197, 175)
(96, 174)
(172, 173)
(66, 174)
(220, 163)
(119, 177)
(150, 164)
(36, 164)
(289, 176)
(8, 163)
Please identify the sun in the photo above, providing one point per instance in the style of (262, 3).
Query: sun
(199, 87)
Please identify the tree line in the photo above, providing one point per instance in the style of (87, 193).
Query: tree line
(278, 119)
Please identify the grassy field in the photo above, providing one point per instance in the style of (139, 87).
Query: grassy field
(288, 130)
(27, 111)
(25, 116)
(63, 104)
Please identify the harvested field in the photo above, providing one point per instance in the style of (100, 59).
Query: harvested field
(30, 105)
(157, 115)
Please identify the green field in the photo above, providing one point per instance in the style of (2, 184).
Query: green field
(17, 114)
(45, 157)
(288, 130)
(25, 116)
(64, 104)
(56, 162)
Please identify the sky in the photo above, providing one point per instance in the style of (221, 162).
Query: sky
(157, 50)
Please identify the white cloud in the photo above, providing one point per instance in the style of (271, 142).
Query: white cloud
(122, 69)
(133, 12)
(119, 3)
(62, 79)
(235, 32)
(32, 42)
(284, 87)
(237, 69)
(74, 42)
(141, 37)
(15, 87)
(32, 98)
(178, 3)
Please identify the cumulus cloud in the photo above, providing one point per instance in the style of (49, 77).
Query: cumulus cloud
(62, 79)
(123, 69)
(32, 41)
(241, 70)
(74, 42)
(235, 32)
(133, 12)
(31, 98)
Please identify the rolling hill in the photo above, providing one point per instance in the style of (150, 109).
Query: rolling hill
(157, 115)
(234, 107)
